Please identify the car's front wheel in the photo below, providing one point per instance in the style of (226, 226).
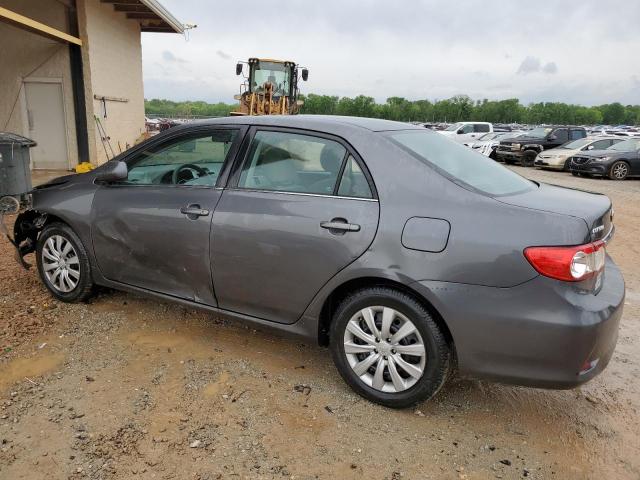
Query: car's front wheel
(388, 348)
(63, 263)
(619, 171)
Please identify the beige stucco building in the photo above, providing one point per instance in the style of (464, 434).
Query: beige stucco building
(71, 75)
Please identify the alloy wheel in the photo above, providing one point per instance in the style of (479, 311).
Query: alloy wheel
(620, 170)
(384, 349)
(60, 263)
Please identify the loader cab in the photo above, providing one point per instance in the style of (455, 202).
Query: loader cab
(280, 74)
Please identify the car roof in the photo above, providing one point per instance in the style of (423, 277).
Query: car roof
(312, 122)
(594, 138)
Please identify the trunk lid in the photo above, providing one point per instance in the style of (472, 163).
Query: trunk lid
(594, 208)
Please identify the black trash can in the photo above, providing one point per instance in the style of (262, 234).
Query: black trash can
(15, 175)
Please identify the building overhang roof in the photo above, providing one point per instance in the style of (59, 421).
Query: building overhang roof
(151, 15)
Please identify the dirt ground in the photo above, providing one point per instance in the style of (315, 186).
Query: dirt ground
(128, 387)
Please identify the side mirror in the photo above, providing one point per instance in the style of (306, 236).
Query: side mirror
(460, 131)
(112, 171)
(305, 74)
(552, 137)
(590, 147)
(238, 68)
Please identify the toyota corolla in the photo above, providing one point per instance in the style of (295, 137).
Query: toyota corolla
(407, 254)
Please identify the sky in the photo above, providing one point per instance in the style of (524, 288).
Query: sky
(584, 52)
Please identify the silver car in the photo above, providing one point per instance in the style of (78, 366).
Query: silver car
(406, 253)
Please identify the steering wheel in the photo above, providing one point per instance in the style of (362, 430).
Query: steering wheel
(176, 173)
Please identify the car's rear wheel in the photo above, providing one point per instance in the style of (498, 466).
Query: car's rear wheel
(619, 171)
(63, 263)
(388, 348)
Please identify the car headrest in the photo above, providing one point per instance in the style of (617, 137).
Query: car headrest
(331, 158)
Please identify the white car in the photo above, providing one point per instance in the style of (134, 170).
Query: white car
(558, 158)
(487, 143)
(465, 132)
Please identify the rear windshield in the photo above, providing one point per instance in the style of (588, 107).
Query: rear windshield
(461, 164)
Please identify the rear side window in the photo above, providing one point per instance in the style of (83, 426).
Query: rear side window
(576, 134)
(291, 162)
(354, 182)
(459, 163)
(481, 127)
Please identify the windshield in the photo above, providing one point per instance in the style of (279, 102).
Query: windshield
(453, 127)
(461, 164)
(539, 132)
(626, 146)
(488, 136)
(276, 73)
(576, 144)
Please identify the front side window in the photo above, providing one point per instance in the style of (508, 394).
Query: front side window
(291, 162)
(462, 165)
(561, 135)
(600, 145)
(466, 129)
(190, 160)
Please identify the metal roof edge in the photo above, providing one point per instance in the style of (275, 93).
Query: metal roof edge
(163, 13)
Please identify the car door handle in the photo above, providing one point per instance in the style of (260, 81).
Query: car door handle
(342, 226)
(194, 211)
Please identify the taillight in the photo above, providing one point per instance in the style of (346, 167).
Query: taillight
(570, 264)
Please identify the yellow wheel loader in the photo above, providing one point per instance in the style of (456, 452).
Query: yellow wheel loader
(271, 87)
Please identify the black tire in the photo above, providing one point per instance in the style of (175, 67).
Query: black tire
(84, 285)
(438, 354)
(619, 170)
(528, 158)
(493, 155)
(576, 174)
(567, 165)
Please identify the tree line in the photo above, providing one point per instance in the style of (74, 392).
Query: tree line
(455, 109)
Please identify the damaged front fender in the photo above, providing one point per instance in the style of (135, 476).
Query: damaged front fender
(25, 233)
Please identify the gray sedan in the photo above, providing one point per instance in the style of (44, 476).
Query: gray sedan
(406, 253)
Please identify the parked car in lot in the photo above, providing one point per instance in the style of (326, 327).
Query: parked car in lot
(488, 143)
(402, 251)
(465, 132)
(559, 158)
(526, 147)
(617, 162)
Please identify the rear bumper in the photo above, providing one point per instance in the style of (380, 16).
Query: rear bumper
(541, 333)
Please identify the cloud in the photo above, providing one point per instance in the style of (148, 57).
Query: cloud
(424, 49)
(529, 65)
(168, 56)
